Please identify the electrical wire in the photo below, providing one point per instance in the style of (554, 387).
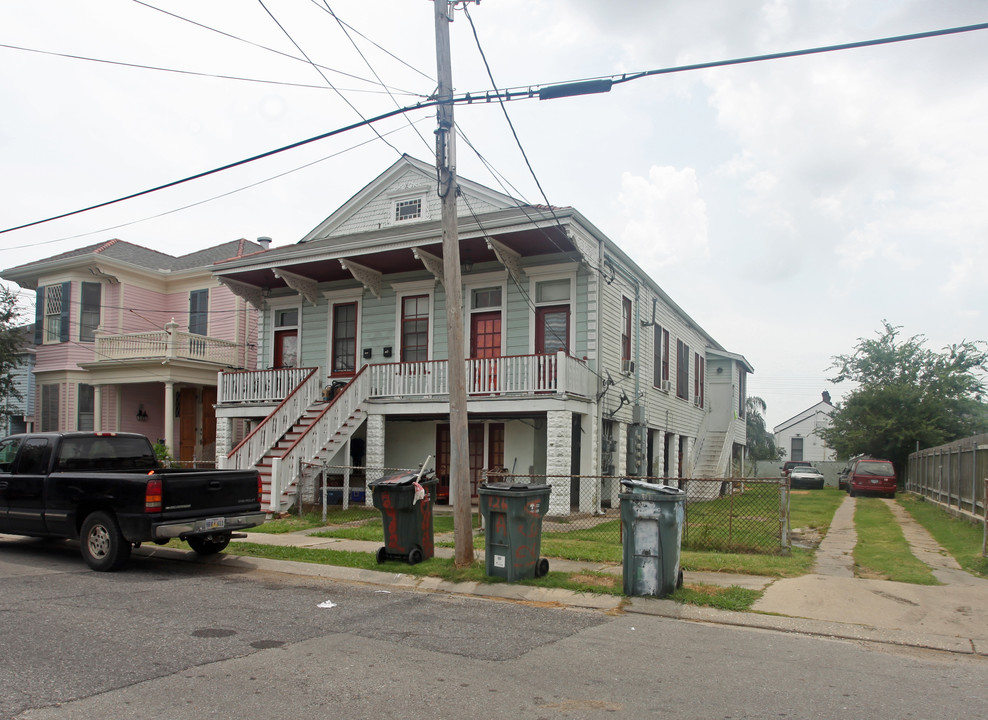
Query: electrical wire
(340, 94)
(206, 200)
(258, 45)
(197, 74)
(363, 57)
(379, 47)
(526, 94)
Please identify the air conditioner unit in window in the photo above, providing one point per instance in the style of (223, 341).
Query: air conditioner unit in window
(627, 366)
(666, 385)
(696, 400)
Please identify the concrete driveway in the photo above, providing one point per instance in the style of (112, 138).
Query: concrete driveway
(957, 609)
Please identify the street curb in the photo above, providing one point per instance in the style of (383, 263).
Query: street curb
(804, 626)
(568, 598)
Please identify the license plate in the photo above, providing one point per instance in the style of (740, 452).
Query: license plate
(214, 523)
(874, 481)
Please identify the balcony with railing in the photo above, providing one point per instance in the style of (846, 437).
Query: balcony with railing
(167, 344)
(516, 376)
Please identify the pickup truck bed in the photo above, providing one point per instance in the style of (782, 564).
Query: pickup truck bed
(108, 491)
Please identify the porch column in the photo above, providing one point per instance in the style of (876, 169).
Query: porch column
(674, 456)
(589, 501)
(558, 460)
(658, 453)
(374, 451)
(170, 418)
(688, 459)
(224, 440)
(97, 408)
(612, 486)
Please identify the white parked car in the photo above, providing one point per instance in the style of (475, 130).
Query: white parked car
(805, 477)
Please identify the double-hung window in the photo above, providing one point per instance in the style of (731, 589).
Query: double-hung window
(90, 313)
(682, 370)
(415, 328)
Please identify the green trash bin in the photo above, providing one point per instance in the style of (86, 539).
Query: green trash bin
(513, 529)
(652, 530)
(405, 502)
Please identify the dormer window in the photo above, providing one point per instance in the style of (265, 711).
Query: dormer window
(409, 209)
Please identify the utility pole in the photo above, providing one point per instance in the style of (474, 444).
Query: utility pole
(459, 458)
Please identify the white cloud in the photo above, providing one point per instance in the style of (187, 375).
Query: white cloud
(663, 216)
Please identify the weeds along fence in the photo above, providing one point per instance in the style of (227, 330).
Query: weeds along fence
(730, 515)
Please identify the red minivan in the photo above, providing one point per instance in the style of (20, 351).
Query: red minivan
(871, 475)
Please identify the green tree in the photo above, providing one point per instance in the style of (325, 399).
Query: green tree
(907, 394)
(761, 443)
(12, 340)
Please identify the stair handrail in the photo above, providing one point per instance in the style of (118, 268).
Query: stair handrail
(285, 468)
(252, 448)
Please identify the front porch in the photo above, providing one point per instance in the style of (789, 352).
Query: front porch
(529, 376)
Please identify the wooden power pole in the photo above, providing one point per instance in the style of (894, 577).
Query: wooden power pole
(459, 459)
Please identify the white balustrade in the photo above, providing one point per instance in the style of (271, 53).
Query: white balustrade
(161, 344)
(253, 447)
(260, 386)
(318, 435)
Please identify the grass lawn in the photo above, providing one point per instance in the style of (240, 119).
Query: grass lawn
(962, 539)
(882, 551)
(600, 544)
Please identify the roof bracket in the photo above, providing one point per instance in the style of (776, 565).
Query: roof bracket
(251, 293)
(509, 258)
(306, 287)
(432, 263)
(371, 279)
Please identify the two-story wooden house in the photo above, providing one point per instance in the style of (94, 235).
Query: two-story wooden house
(580, 368)
(130, 339)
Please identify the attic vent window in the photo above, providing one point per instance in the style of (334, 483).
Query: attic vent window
(408, 209)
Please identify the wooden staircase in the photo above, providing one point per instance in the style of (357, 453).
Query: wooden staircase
(336, 442)
(320, 431)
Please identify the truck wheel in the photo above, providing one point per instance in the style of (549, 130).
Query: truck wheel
(208, 545)
(102, 545)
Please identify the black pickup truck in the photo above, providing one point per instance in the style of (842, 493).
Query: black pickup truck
(108, 491)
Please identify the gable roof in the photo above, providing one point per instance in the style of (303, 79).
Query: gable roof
(821, 408)
(406, 175)
(121, 251)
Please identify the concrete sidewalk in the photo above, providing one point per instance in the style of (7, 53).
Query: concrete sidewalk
(831, 602)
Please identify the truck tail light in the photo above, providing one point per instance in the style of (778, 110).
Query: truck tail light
(152, 496)
(260, 488)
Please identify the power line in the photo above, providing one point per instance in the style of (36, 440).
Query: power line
(341, 95)
(528, 93)
(230, 166)
(195, 73)
(254, 44)
(206, 200)
(344, 27)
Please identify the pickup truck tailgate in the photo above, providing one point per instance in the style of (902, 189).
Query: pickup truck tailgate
(206, 491)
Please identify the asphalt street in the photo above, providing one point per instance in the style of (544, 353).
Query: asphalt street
(173, 638)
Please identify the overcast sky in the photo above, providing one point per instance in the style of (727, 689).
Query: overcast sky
(788, 206)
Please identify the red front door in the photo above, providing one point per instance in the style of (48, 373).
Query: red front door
(552, 329)
(485, 343)
(285, 349)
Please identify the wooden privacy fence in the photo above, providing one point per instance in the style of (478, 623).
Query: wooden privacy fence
(952, 475)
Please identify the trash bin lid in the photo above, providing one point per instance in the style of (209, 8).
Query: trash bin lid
(642, 486)
(403, 478)
(512, 487)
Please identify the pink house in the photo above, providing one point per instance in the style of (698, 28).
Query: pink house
(130, 339)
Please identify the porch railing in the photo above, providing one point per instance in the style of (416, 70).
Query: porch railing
(509, 375)
(329, 422)
(259, 386)
(253, 447)
(161, 344)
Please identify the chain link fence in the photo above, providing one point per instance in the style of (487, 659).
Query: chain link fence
(729, 515)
